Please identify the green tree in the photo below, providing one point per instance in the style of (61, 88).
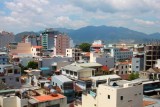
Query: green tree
(133, 76)
(85, 47)
(32, 64)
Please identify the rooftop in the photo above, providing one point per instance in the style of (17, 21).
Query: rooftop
(103, 77)
(62, 78)
(44, 98)
(93, 64)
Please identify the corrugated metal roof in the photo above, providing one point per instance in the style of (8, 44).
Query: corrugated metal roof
(62, 78)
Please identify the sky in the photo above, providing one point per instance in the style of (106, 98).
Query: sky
(34, 15)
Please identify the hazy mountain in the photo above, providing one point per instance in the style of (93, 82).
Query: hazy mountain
(107, 33)
(19, 36)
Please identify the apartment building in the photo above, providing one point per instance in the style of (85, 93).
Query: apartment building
(10, 75)
(47, 39)
(66, 86)
(120, 93)
(102, 58)
(61, 43)
(75, 53)
(122, 68)
(33, 39)
(4, 58)
(120, 54)
(6, 38)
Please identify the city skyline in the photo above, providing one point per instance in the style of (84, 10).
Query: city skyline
(34, 15)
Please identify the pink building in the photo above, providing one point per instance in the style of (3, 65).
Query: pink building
(61, 43)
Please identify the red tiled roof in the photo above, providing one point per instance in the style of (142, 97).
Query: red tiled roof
(97, 45)
(44, 98)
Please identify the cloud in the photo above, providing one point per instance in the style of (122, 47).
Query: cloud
(144, 22)
(20, 15)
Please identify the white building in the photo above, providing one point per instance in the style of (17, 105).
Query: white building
(36, 51)
(115, 94)
(75, 53)
(121, 53)
(102, 58)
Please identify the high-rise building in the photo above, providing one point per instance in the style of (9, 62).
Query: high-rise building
(6, 38)
(152, 53)
(61, 43)
(47, 39)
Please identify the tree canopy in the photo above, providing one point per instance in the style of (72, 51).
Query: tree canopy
(32, 64)
(85, 47)
(133, 76)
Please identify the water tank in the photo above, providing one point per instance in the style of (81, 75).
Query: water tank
(53, 92)
(47, 86)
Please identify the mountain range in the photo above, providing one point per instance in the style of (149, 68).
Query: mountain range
(106, 33)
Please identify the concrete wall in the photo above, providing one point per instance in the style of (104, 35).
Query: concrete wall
(62, 102)
(12, 101)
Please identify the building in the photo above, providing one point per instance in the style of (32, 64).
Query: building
(122, 68)
(120, 54)
(4, 58)
(10, 75)
(6, 38)
(120, 93)
(152, 53)
(36, 51)
(102, 58)
(97, 46)
(66, 86)
(61, 43)
(23, 49)
(8, 99)
(75, 53)
(51, 100)
(54, 64)
(76, 72)
(47, 39)
(137, 63)
(96, 80)
(33, 39)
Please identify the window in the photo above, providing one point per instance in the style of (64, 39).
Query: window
(4, 80)
(67, 72)
(108, 96)
(121, 97)
(9, 70)
(17, 79)
(53, 83)
(126, 66)
(75, 73)
(122, 72)
(122, 67)
(137, 66)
